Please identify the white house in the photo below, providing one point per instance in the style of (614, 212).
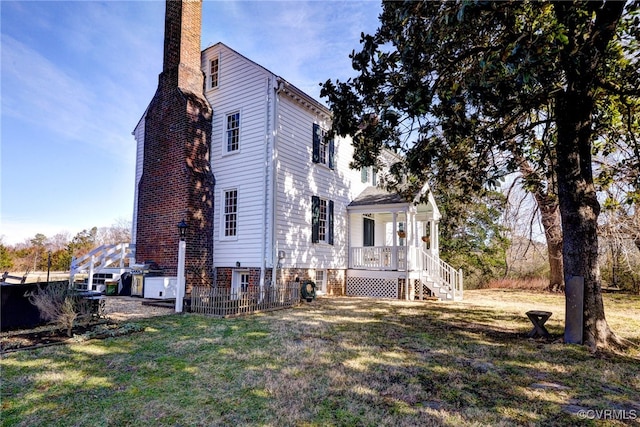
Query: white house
(287, 205)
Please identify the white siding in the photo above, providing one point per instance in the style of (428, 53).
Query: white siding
(298, 179)
(243, 86)
(268, 119)
(138, 134)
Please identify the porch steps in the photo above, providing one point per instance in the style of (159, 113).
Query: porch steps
(441, 278)
(441, 290)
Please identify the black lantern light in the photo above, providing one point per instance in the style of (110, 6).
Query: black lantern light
(182, 228)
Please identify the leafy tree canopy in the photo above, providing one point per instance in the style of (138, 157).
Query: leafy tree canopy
(456, 85)
(466, 90)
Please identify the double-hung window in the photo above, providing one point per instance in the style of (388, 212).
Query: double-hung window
(323, 147)
(368, 175)
(321, 220)
(232, 133)
(230, 215)
(214, 73)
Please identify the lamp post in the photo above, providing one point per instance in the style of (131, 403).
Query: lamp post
(48, 265)
(182, 249)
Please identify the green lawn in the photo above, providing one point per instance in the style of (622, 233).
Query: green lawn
(336, 361)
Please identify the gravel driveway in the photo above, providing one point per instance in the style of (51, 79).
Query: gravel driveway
(125, 308)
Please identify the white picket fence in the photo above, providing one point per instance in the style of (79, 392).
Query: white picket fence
(225, 302)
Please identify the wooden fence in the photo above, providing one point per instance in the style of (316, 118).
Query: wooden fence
(223, 302)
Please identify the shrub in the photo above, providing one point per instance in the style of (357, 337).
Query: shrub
(61, 305)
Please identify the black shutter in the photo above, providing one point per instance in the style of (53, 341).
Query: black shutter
(316, 143)
(315, 219)
(331, 154)
(330, 223)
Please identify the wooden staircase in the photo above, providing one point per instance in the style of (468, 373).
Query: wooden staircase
(444, 281)
(101, 265)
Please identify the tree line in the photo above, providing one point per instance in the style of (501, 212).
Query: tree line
(35, 253)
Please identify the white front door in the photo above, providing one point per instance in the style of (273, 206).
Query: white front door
(240, 283)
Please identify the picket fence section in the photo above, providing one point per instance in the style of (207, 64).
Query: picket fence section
(226, 302)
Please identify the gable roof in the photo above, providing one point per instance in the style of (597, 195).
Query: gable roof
(376, 196)
(291, 90)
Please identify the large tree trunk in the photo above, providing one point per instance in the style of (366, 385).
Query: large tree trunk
(552, 224)
(579, 210)
(575, 102)
(547, 202)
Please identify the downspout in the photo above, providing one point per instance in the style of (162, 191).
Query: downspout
(274, 193)
(263, 262)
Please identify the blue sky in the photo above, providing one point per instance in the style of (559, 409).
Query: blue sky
(77, 77)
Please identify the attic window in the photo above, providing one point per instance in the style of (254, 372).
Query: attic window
(214, 66)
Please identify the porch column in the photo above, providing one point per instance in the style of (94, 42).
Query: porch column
(394, 250)
(416, 241)
(434, 237)
(413, 243)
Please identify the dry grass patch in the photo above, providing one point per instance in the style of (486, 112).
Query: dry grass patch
(337, 361)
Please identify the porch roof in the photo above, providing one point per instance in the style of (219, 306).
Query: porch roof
(377, 196)
(378, 199)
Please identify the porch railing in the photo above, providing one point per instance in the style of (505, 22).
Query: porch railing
(226, 302)
(378, 258)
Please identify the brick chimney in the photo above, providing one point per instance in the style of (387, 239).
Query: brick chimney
(177, 182)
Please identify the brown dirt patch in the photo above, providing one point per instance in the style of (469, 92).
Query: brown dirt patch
(118, 311)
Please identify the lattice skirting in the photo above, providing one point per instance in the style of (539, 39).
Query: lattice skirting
(372, 287)
(426, 292)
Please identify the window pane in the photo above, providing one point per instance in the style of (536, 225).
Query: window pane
(322, 233)
(244, 282)
(233, 131)
(230, 213)
(214, 73)
(323, 150)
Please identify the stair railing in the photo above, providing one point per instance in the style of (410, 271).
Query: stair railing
(444, 274)
(101, 257)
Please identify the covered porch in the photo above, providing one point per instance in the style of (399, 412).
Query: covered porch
(394, 247)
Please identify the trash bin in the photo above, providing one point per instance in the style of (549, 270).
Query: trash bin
(112, 287)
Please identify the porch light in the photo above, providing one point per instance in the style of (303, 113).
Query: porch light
(181, 281)
(182, 229)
